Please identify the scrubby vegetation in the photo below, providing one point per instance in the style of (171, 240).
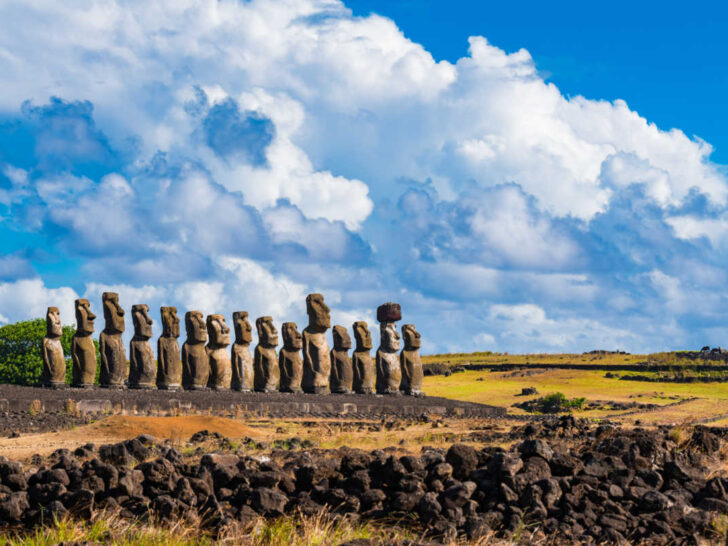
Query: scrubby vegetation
(556, 402)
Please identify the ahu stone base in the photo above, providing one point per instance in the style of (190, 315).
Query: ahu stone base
(99, 401)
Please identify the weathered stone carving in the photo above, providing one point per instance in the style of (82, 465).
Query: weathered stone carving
(316, 357)
(83, 350)
(195, 362)
(114, 370)
(242, 360)
(169, 364)
(265, 363)
(365, 372)
(389, 372)
(289, 359)
(220, 365)
(411, 362)
(342, 372)
(142, 370)
(54, 363)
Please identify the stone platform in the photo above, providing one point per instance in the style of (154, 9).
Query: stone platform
(97, 401)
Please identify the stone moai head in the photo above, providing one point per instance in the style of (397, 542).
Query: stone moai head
(267, 333)
(218, 331)
(113, 313)
(387, 314)
(319, 314)
(362, 335)
(390, 337)
(342, 339)
(53, 322)
(243, 329)
(411, 337)
(142, 321)
(195, 326)
(84, 317)
(292, 338)
(170, 321)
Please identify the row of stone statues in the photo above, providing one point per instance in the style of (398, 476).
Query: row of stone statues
(304, 363)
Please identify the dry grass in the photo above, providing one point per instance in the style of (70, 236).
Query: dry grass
(322, 529)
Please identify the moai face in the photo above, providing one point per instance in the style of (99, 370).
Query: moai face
(342, 339)
(53, 322)
(362, 335)
(113, 313)
(243, 329)
(267, 333)
(84, 317)
(142, 321)
(411, 337)
(195, 326)
(390, 337)
(292, 339)
(217, 330)
(170, 321)
(319, 317)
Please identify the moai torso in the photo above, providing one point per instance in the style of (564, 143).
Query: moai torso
(242, 361)
(220, 365)
(289, 360)
(54, 363)
(365, 373)
(410, 362)
(342, 372)
(389, 372)
(195, 362)
(83, 350)
(265, 364)
(114, 370)
(169, 364)
(142, 370)
(316, 357)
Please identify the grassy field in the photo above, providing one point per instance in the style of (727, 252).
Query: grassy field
(546, 358)
(609, 359)
(503, 388)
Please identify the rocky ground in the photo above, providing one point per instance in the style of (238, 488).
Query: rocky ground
(15, 423)
(563, 478)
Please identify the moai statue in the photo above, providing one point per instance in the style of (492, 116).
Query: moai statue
(114, 370)
(342, 372)
(289, 359)
(142, 370)
(242, 360)
(169, 365)
(83, 350)
(365, 372)
(54, 363)
(316, 358)
(218, 334)
(411, 362)
(267, 372)
(195, 362)
(389, 372)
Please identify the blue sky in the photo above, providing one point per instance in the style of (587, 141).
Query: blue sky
(520, 179)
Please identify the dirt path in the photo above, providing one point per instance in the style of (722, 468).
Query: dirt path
(119, 427)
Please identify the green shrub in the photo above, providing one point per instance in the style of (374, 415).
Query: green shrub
(557, 402)
(20, 351)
